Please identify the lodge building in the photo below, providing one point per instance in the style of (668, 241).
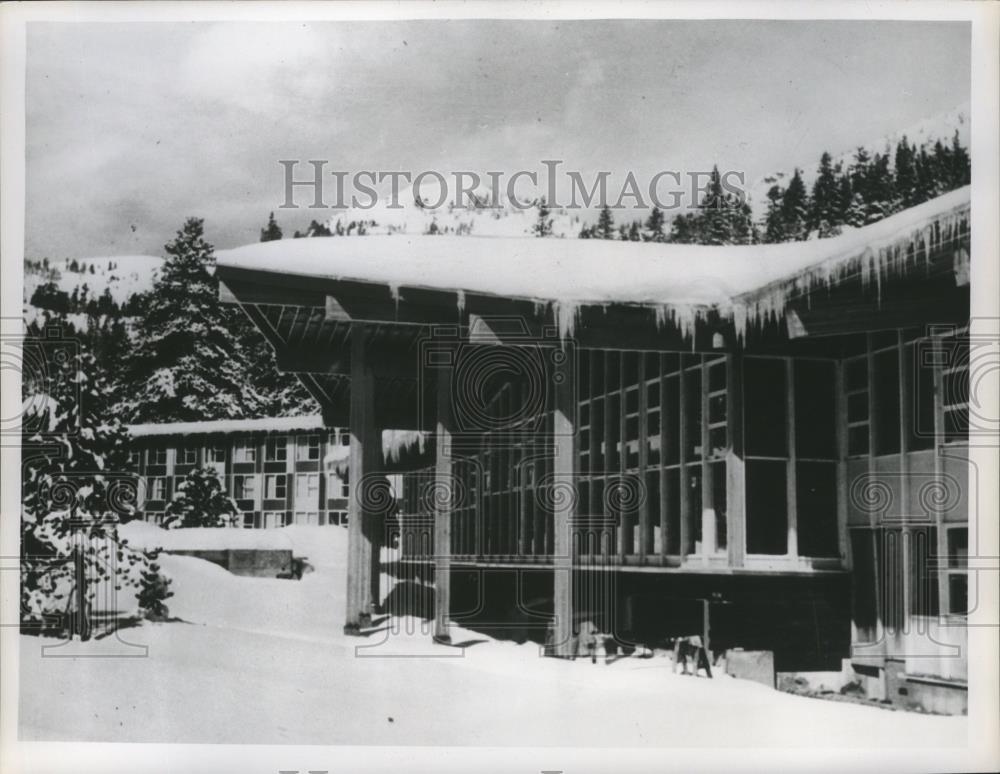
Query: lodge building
(766, 445)
(279, 470)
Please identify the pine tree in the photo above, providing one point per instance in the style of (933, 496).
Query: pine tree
(75, 490)
(742, 229)
(190, 363)
(634, 234)
(543, 222)
(823, 205)
(960, 168)
(317, 229)
(605, 224)
(201, 501)
(682, 229)
(272, 232)
(774, 221)
(794, 208)
(905, 175)
(845, 196)
(654, 227)
(713, 220)
(879, 190)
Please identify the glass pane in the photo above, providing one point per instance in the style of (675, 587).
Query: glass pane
(671, 454)
(815, 409)
(694, 503)
(956, 425)
(816, 507)
(923, 575)
(857, 374)
(673, 511)
(958, 547)
(857, 440)
(653, 506)
(652, 394)
(958, 593)
(717, 442)
(857, 407)
(717, 377)
(886, 402)
(614, 437)
(717, 409)
(920, 422)
(766, 402)
(719, 505)
(767, 507)
(692, 413)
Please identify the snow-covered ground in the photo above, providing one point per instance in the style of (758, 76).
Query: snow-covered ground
(265, 661)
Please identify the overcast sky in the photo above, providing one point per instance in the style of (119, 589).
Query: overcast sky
(133, 127)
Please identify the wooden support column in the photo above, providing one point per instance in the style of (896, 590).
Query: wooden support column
(443, 503)
(564, 499)
(843, 536)
(735, 462)
(365, 459)
(791, 485)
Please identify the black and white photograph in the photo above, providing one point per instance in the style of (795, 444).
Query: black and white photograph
(536, 387)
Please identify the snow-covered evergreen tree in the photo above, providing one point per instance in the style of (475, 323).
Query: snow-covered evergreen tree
(201, 501)
(774, 221)
(653, 231)
(190, 363)
(605, 224)
(272, 232)
(824, 216)
(543, 222)
(794, 209)
(76, 487)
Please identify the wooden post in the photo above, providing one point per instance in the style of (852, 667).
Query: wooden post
(564, 502)
(791, 480)
(443, 503)
(365, 456)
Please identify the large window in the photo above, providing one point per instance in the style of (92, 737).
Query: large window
(245, 451)
(765, 392)
(885, 400)
(337, 486)
(244, 487)
(955, 389)
(790, 422)
(307, 487)
(157, 488)
(767, 506)
(275, 450)
(275, 487)
(958, 570)
(815, 417)
(856, 394)
(308, 448)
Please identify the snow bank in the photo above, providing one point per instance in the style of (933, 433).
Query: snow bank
(246, 638)
(147, 536)
(320, 546)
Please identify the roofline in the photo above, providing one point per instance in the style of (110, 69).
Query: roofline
(311, 422)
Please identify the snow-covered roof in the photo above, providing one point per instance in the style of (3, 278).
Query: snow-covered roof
(743, 281)
(221, 426)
